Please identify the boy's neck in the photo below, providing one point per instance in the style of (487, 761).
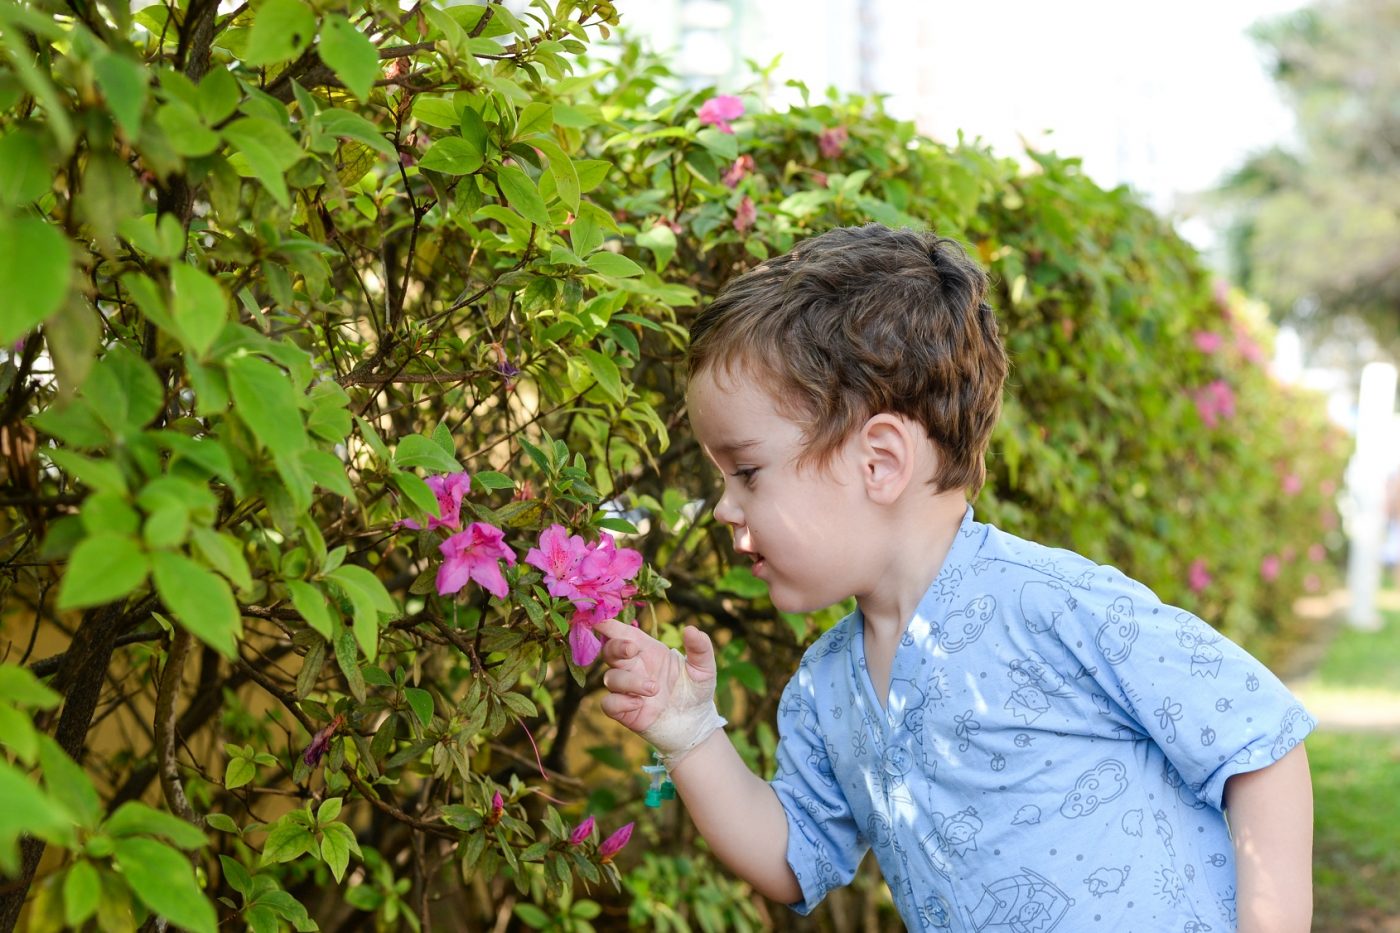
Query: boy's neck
(919, 537)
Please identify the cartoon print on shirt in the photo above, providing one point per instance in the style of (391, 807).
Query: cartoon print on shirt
(1028, 815)
(1201, 639)
(1036, 681)
(1197, 926)
(1020, 903)
(957, 834)
(820, 764)
(1169, 886)
(935, 914)
(1168, 715)
(1190, 796)
(1104, 782)
(1296, 722)
(1038, 594)
(966, 728)
(954, 637)
(1107, 880)
(1116, 636)
(1164, 830)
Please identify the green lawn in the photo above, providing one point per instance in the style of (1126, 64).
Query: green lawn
(1356, 781)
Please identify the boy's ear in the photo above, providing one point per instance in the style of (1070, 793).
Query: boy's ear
(889, 456)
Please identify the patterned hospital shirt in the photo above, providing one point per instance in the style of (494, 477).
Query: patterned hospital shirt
(1052, 754)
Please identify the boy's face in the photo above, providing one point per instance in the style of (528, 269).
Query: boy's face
(803, 528)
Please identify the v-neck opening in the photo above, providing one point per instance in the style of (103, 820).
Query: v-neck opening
(929, 612)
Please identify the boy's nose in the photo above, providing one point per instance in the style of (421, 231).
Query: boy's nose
(727, 513)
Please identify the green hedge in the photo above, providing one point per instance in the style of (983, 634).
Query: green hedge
(269, 272)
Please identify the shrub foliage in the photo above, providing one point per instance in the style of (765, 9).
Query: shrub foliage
(316, 317)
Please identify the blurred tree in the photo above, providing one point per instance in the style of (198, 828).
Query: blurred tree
(1318, 235)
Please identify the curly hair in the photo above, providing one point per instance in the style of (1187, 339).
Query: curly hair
(863, 320)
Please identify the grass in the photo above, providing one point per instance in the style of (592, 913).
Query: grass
(1356, 780)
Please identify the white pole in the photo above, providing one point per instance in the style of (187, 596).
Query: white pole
(1367, 476)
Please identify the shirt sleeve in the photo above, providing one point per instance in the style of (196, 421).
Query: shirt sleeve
(1213, 709)
(824, 845)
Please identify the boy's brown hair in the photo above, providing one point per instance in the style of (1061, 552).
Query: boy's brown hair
(862, 320)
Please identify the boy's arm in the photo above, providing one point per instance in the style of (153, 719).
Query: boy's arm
(1270, 813)
(737, 812)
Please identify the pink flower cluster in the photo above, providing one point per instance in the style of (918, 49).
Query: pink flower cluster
(832, 141)
(741, 169)
(1198, 577)
(1215, 402)
(593, 577)
(473, 555)
(719, 110)
(449, 489)
(609, 847)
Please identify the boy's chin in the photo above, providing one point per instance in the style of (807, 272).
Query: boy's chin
(785, 600)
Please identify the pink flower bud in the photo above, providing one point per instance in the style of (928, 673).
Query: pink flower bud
(498, 806)
(581, 832)
(614, 843)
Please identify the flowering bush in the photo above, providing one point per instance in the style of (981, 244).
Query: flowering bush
(317, 321)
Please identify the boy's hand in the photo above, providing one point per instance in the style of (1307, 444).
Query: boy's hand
(666, 697)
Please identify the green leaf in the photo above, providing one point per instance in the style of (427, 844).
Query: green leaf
(124, 391)
(613, 264)
(490, 479)
(418, 492)
(335, 851)
(82, 889)
(21, 687)
(661, 240)
(329, 810)
(286, 841)
(239, 772)
(199, 599)
(224, 553)
(532, 916)
(268, 150)
(223, 823)
(73, 335)
(163, 880)
(310, 602)
(27, 810)
(606, 372)
(97, 473)
(421, 702)
(453, 155)
(350, 54)
(349, 125)
(134, 818)
(347, 660)
(65, 779)
(217, 96)
(17, 731)
(24, 171)
(523, 196)
(265, 400)
(282, 29)
(561, 169)
(234, 873)
(199, 307)
(35, 263)
(123, 82)
(102, 569)
(326, 470)
(185, 130)
(415, 450)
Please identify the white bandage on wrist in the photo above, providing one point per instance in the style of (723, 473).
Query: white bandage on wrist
(689, 719)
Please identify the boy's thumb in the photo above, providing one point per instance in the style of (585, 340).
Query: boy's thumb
(699, 651)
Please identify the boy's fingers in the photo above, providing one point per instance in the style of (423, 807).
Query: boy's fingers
(618, 651)
(699, 652)
(639, 683)
(621, 706)
(615, 630)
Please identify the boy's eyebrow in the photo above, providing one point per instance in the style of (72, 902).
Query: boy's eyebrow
(734, 447)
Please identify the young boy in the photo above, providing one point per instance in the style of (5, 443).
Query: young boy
(1028, 741)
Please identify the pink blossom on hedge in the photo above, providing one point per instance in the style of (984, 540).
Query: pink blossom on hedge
(612, 845)
(746, 214)
(1198, 577)
(449, 489)
(832, 141)
(1312, 583)
(498, 807)
(1215, 402)
(558, 558)
(742, 167)
(1292, 484)
(719, 110)
(472, 555)
(1269, 567)
(601, 589)
(581, 832)
(1317, 553)
(1249, 349)
(1207, 341)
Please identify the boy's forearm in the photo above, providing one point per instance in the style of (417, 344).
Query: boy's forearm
(1271, 821)
(739, 815)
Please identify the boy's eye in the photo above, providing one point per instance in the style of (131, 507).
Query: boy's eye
(746, 474)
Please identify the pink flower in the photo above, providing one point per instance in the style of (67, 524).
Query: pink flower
(600, 591)
(1316, 553)
(498, 806)
(321, 741)
(581, 832)
(558, 558)
(1269, 567)
(1292, 484)
(1215, 402)
(719, 110)
(472, 555)
(614, 843)
(449, 489)
(743, 166)
(1207, 341)
(745, 216)
(832, 140)
(1198, 577)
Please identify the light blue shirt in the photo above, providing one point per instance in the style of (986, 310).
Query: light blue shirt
(1052, 754)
